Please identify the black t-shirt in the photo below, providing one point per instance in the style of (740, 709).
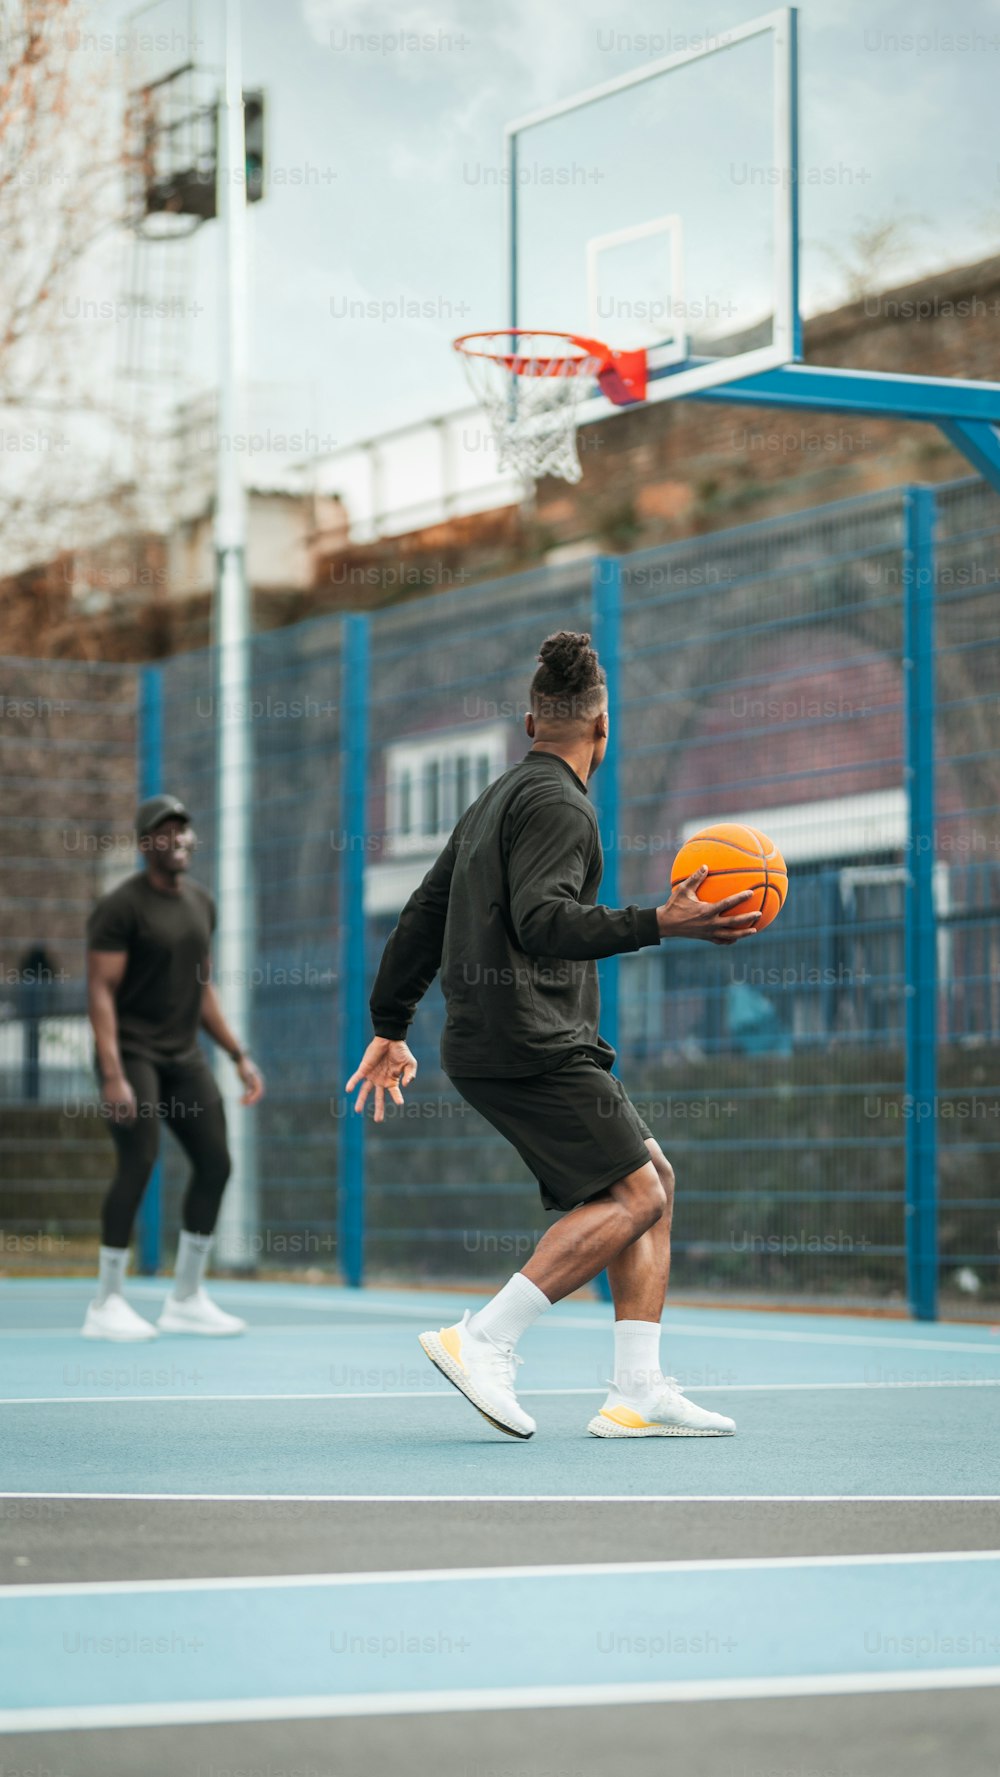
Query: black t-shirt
(167, 938)
(509, 915)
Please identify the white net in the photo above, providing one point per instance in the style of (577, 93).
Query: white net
(533, 408)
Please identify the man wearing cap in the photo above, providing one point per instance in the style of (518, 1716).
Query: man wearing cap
(149, 994)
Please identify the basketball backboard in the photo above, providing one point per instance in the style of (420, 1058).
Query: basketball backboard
(659, 211)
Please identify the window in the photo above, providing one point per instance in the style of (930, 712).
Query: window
(462, 780)
(431, 781)
(405, 791)
(431, 822)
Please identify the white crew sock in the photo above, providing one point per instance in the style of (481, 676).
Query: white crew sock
(111, 1275)
(192, 1258)
(637, 1358)
(510, 1312)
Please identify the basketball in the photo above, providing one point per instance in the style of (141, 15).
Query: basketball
(738, 858)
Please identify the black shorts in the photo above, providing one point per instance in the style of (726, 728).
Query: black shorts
(574, 1127)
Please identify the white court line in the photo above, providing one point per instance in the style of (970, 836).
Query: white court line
(440, 1394)
(565, 1324)
(296, 1326)
(406, 1576)
(144, 1715)
(793, 1337)
(520, 1499)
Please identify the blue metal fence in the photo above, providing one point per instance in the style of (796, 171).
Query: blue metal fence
(827, 1091)
(149, 1227)
(355, 695)
(920, 922)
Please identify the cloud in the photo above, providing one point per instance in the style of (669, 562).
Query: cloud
(416, 43)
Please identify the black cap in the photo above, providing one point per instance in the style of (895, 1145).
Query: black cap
(155, 810)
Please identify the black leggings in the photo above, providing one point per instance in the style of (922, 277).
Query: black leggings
(185, 1097)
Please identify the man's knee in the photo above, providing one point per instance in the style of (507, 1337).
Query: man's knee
(646, 1198)
(215, 1166)
(665, 1174)
(204, 1196)
(137, 1145)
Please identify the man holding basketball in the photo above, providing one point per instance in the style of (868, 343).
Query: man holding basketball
(508, 913)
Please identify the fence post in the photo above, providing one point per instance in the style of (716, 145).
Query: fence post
(149, 763)
(920, 918)
(354, 1024)
(606, 601)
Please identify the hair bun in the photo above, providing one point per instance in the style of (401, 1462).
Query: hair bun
(570, 659)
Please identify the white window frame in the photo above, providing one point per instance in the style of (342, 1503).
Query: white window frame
(410, 759)
(812, 832)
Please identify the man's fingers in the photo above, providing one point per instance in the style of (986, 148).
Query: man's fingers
(733, 900)
(375, 1072)
(697, 876)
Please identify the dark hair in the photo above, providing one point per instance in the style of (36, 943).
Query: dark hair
(570, 681)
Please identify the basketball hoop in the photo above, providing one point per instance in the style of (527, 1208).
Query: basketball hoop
(531, 383)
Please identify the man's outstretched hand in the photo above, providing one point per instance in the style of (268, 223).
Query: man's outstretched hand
(685, 916)
(387, 1065)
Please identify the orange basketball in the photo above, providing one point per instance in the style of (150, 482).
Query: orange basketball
(738, 858)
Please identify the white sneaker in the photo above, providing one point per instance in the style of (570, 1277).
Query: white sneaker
(662, 1414)
(199, 1314)
(484, 1372)
(115, 1319)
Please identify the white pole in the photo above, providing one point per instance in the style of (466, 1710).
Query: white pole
(235, 939)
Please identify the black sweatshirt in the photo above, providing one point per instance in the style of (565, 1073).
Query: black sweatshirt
(507, 913)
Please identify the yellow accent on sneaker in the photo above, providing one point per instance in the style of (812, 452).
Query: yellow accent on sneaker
(625, 1416)
(450, 1339)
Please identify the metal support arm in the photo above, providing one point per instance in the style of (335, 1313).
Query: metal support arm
(968, 413)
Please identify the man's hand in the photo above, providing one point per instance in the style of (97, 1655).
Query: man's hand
(684, 916)
(252, 1079)
(118, 1094)
(387, 1065)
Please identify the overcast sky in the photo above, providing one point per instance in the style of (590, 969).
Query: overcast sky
(383, 161)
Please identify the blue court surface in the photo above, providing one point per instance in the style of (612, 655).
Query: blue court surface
(331, 1396)
(307, 1523)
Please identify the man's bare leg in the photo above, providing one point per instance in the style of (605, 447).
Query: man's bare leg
(591, 1238)
(639, 1275)
(478, 1354)
(572, 1252)
(641, 1402)
(638, 1279)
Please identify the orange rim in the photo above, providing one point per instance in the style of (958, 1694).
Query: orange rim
(589, 352)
